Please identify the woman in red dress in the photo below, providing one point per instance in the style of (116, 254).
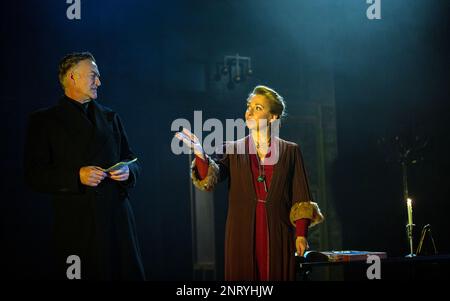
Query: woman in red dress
(270, 207)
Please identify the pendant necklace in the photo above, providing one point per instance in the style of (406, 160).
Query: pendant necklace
(261, 177)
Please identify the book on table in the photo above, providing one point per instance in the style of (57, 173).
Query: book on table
(340, 256)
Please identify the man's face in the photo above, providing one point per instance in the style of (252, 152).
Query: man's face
(86, 78)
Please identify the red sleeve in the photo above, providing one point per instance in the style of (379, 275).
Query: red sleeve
(202, 167)
(301, 227)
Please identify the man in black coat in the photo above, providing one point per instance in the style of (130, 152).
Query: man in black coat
(68, 147)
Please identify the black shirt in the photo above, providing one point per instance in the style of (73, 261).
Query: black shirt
(86, 108)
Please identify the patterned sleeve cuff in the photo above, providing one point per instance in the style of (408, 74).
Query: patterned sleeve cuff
(207, 183)
(309, 210)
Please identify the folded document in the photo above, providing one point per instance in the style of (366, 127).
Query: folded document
(120, 165)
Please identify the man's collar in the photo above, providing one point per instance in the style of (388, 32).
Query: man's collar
(81, 106)
(75, 101)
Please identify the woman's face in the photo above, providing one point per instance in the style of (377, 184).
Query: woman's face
(258, 113)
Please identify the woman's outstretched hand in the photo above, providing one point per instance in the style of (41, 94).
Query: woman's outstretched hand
(191, 141)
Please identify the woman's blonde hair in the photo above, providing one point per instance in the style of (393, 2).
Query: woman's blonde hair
(278, 106)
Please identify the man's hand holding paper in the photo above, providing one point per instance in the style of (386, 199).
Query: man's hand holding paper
(120, 171)
(120, 174)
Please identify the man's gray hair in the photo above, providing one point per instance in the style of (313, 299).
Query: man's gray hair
(70, 60)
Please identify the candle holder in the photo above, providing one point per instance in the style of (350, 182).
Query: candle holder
(407, 149)
(409, 233)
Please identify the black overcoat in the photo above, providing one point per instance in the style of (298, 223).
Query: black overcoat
(94, 223)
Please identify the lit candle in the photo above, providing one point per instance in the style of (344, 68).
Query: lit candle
(409, 203)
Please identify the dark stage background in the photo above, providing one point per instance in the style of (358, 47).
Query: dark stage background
(157, 61)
